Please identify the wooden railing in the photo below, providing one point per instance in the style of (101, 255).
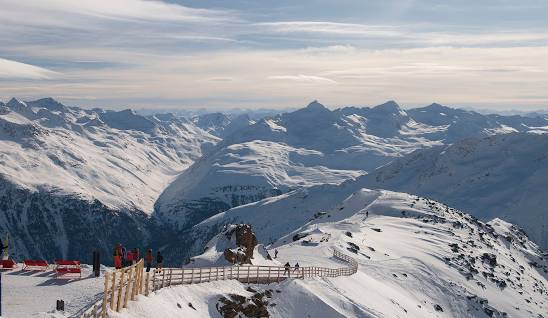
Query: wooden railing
(248, 274)
(125, 284)
(121, 285)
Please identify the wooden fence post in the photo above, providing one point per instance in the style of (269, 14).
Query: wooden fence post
(128, 287)
(135, 283)
(147, 279)
(120, 289)
(105, 297)
(113, 290)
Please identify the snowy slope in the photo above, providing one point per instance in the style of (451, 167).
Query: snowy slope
(503, 176)
(310, 146)
(222, 125)
(68, 174)
(239, 174)
(120, 158)
(34, 293)
(417, 258)
(315, 145)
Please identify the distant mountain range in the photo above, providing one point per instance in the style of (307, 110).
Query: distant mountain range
(68, 174)
(316, 146)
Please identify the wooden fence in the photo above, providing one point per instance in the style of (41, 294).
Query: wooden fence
(125, 284)
(248, 274)
(121, 285)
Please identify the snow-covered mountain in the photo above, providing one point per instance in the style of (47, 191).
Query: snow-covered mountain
(416, 258)
(68, 172)
(313, 146)
(222, 125)
(502, 176)
(128, 167)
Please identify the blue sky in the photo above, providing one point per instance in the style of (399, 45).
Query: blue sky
(242, 53)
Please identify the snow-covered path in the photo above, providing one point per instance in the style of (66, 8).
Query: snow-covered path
(33, 293)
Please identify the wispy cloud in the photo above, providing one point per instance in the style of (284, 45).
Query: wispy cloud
(15, 70)
(57, 12)
(302, 78)
(326, 27)
(138, 51)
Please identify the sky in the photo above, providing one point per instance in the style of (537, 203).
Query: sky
(489, 54)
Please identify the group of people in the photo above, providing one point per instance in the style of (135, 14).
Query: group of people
(287, 267)
(124, 257)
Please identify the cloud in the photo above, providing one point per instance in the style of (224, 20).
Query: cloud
(55, 12)
(15, 70)
(302, 78)
(138, 52)
(326, 27)
(219, 79)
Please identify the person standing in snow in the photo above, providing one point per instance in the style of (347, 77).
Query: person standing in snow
(137, 254)
(297, 269)
(276, 253)
(118, 256)
(148, 259)
(159, 260)
(2, 248)
(124, 255)
(129, 258)
(287, 267)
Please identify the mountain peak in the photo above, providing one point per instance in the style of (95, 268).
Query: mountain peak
(316, 105)
(389, 106)
(437, 106)
(48, 103)
(15, 102)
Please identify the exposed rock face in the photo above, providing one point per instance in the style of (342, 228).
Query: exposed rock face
(245, 243)
(240, 306)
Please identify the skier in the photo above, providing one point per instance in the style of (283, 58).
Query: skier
(159, 260)
(276, 253)
(287, 266)
(366, 214)
(148, 259)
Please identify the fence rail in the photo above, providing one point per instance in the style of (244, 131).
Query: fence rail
(125, 284)
(248, 274)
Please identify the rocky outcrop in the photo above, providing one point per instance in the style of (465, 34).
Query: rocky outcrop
(241, 306)
(245, 244)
